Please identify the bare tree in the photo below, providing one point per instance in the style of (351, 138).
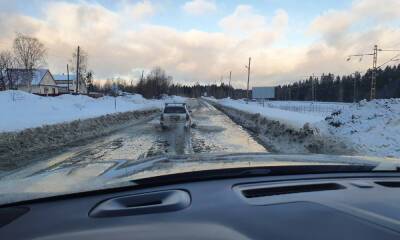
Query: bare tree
(6, 62)
(29, 52)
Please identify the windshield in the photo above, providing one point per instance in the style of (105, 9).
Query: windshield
(92, 92)
(174, 110)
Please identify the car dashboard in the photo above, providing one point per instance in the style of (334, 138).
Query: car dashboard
(309, 206)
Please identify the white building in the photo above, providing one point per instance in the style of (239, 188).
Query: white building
(67, 83)
(37, 81)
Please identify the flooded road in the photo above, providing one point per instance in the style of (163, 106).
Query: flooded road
(214, 132)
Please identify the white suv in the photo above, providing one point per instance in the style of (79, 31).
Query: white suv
(175, 113)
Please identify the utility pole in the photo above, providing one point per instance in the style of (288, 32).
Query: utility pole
(312, 88)
(355, 86)
(373, 75)
(230, 78)
(77, 71)
(67, 78)
(248, 79)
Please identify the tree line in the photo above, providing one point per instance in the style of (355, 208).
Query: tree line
(347, 88)
(157, 83)
(327, 87)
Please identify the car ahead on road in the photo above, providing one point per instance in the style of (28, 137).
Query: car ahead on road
(225, 196)
(175, 113)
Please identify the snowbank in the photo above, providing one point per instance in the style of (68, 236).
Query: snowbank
(278, 137)
(372, 127)
(21, 110)
(367, 128)
(291, 119)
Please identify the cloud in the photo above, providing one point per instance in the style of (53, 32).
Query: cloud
(336, 25)
(119, 44)
(199, 7)
(349, 31)
(141, 10)
(244, 22)
(115, 50)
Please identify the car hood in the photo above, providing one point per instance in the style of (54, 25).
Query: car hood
(108, 174)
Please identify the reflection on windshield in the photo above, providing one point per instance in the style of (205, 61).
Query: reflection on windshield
(92, 176)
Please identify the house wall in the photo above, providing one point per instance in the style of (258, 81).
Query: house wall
(48, 80)
(47, 90)
(47, 86)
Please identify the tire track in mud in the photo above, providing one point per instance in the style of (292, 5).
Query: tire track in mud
(216, 132)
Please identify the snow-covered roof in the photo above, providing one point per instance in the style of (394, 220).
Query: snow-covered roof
(20, 76)
(65, 85)
(63, 76)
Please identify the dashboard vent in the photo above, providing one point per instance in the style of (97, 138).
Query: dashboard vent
(271, 191)
(391, 184)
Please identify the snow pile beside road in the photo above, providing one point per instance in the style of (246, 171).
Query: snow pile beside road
(291, 119)
(372, 127)
(281, 131)
(21, 110)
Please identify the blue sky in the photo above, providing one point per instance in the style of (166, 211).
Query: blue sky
(200, 40)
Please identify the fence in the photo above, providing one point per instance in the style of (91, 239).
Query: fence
(297, 106)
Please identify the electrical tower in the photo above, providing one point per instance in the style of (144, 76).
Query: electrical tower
(374, 55)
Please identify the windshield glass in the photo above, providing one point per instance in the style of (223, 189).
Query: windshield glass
(84, 86)
(174, 110)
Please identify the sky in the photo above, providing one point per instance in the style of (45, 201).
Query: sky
(203, 40)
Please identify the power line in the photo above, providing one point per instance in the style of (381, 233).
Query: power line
(374, 64)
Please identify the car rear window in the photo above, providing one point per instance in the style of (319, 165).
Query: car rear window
(174, 110)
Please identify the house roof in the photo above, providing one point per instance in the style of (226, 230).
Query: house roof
(21, 75)
(64, 77)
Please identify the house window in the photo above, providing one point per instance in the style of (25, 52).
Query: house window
(46, 90)
(54, 91)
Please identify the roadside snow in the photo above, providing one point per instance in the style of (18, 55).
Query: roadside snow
(295, 120)
(373, 127)
(20, 110)
(370, 128)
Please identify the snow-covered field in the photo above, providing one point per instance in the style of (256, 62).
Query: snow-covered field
(20, 110)
(370, 128)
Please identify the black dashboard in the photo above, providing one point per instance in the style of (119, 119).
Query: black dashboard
(311, 206)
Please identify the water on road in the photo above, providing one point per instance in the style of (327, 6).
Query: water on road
(214, 132)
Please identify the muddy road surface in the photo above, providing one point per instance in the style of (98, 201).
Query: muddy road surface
(214, 132)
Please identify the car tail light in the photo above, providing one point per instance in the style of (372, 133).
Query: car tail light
(162, 116)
